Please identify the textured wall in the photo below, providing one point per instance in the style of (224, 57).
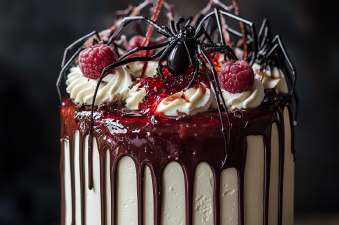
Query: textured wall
(33, 35)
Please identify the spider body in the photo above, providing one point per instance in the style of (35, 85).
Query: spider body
(178, 59)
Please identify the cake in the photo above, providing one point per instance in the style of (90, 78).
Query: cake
(140, 145)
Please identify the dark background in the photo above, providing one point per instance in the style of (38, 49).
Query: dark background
(33, 35)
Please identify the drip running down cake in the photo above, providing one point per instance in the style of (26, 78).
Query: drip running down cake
(194, 126)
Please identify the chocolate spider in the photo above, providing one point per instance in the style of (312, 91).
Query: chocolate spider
(272, 52)
(182, 50)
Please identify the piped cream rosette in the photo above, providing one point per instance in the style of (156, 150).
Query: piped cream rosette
(244, 100)
(190, 102)
(136, 95)
(136, 68)
(271, 78)
(113, 86)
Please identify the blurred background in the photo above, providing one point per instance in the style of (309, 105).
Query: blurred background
(33, 36)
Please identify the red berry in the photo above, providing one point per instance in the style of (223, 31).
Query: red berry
(136, 41)
(236, 76)
(94, 59)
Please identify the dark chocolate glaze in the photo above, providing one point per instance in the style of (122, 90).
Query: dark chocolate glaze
(156, 142)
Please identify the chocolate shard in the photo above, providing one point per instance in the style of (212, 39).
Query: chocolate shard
(81, 106)
(237, 113)
(181, 115)
(115, 104)
(271, 95)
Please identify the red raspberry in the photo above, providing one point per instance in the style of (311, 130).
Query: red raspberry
(136, 41)
(236, 76)
(94, 59)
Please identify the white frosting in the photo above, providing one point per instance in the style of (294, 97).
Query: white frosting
(114, 86)
(173, 209)
(245, 100)
(273, 78)
(136, 95)
(195, 101)
(136, 68)
(239, 53)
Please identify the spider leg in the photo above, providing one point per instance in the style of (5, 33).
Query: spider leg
(195, 74)
(177, 24)
(64, 68)
(127, 20)
(215, 76)
(189, 19)
(253, 32)
(221, 48)
(216, 94)
(248, 23)
(211, 27)
(199, 33)
(278, 45)
(264, 35)
(264, 39)
(172, 26)
(222, 38)
(163, 57)
(194, 64)
(143, 48)
(114, 65)
(70, 47)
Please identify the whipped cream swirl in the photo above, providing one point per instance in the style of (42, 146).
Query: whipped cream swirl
(136, 95)
(136, 68)
(244, 100)
(113, 86)
(271, 78)
(191, 102)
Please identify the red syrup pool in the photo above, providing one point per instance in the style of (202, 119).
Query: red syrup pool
(127, 128)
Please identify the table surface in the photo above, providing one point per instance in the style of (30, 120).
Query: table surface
(317, 219)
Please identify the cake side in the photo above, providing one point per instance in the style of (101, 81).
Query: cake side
(139, 154)
(190, 128)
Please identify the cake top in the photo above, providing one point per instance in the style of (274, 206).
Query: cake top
(213, 62)
(193, 66)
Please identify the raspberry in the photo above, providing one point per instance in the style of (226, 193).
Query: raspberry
(236, 76)
(94, 59)
(136, 41)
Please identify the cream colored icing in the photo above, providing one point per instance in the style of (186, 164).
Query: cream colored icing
(191, 102)
(113, 86)
(271, 78)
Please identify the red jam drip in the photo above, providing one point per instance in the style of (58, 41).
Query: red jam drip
(157, 89)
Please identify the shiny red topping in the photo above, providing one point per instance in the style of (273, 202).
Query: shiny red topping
(236, 76)
(157, 89)
(94, 59)
(136, 41)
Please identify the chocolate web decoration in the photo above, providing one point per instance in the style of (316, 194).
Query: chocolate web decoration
(190, 42)
(272, 53)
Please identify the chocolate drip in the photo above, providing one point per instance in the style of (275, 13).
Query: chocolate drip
(267, 169)
(114, 180)
(216, 195)
(194, 141)
(82, 179)
(189, 182)
(71, 144)
(62, 183)
(103, 187)
(140, 189)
